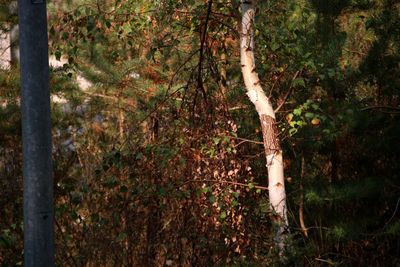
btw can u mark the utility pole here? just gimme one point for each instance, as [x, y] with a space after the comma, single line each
[36, 134]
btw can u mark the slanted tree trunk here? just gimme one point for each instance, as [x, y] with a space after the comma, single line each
[14, 36]
[273, 152]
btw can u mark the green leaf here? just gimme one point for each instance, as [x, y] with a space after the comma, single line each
[211, 199]
[307, 55]
[206, 189]
[111, 182]
[309, 115]
[235, 203]
[315, 106]
[127, 28]
[297, 111]
[275, 46]
[216, 140]
[299, 82]
[52, 31]
[57, 54]
[394, 229]
[121, 236]
[150, 54]
[223, 215]
[123, 189]
[331, 73]
[77, 13]
[108, 23]
[292, 131]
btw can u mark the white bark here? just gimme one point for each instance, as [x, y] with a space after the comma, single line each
[255, 92]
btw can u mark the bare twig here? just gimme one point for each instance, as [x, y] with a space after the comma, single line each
[228, 182]
[201, 57]
[288, 92]
[301, 208]
[355, 52]
[382, 109]
[277, 80]
[68, 254]
[113, 98]
[394, 213]
[325, 261]
[246, 140]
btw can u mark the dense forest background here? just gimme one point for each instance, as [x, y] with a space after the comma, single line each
[158, 155]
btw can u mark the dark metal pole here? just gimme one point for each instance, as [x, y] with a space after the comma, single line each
[36, 134]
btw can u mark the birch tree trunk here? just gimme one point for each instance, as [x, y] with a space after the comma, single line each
[273, 152]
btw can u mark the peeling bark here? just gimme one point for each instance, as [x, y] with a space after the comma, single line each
[270, 134]
[273, 152]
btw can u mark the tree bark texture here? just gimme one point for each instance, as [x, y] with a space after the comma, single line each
[273, 152]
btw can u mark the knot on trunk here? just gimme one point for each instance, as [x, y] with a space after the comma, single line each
[270, 134]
